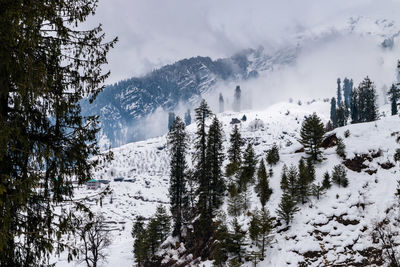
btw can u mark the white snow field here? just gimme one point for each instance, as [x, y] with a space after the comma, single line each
[333, 230]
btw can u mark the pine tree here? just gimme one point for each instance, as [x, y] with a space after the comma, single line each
[248, 168]
[237, 99]
[201, 173]
[339, 93]
[171, 119]
[347, 90]
[394, 95]
[273, 155]
[339, 175]
[284, 178]
[333, 112]
[237, 238]
[261, 225]
[220, 251]
[341, 116]
[262, 188]
[341, 149]
[292, 183]
[354, 109]
[367, 107]
[178, 143]
[48, 65]
[326, 183]
[188, 117]
[311, 133]
[317, 190]
[303, 183]
[236, 201]
[141, 248]
[287, 208]
[234, 152]
[221, 103]
[215, 158]
[310, 170]
[156, 231]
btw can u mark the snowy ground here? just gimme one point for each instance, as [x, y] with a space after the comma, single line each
[335, 228]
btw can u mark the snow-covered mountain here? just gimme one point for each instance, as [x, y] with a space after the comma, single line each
[333, 231]
[124, 106]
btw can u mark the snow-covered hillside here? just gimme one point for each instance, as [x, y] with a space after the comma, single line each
[333, 230]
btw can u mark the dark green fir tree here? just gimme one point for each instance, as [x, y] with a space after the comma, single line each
[312, 133]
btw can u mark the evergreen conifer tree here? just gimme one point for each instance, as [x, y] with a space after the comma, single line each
[262, 188]
[347, 90]
[215, 157]
[339, 94]
[367, 107]
[261, 225]
[311, 133]
[341, 149]
[354, 109]
[339, 175]
[317, 190]
[201, 173]
[238, 243]
[188, 117]
[221, 103]
[287, 208]
[333, 112]
[284, 178]
[222, 236]
[303, 183]
[236, 202]
[234, 152]
[273, 155]
[292, 184]
[237, 99]
[394, 95]
[48, 65]
[177, 143]
[341, 116]
[326, 183]
[248, 167]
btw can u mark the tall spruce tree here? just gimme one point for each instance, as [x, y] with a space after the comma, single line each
[261, 225]
[394, 95]
[341, 116]
[234, 152]
[221, 103]
[248, 168]
[238, 242]
[262, 188]
[333, 112]
[367, 106]
[339, 93]
[48, 64]
[178, 143]
[287, 208]
[339, 175]
[215, 158]
[188, 117]
[311, 133]
[354, 109]
[237, 99]
[201, 173]
[273, 155]
[347, 90]
[303, 183]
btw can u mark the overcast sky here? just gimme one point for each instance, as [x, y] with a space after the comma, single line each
[153, 33]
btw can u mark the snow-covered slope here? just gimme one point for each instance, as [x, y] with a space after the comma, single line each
[333, 230]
